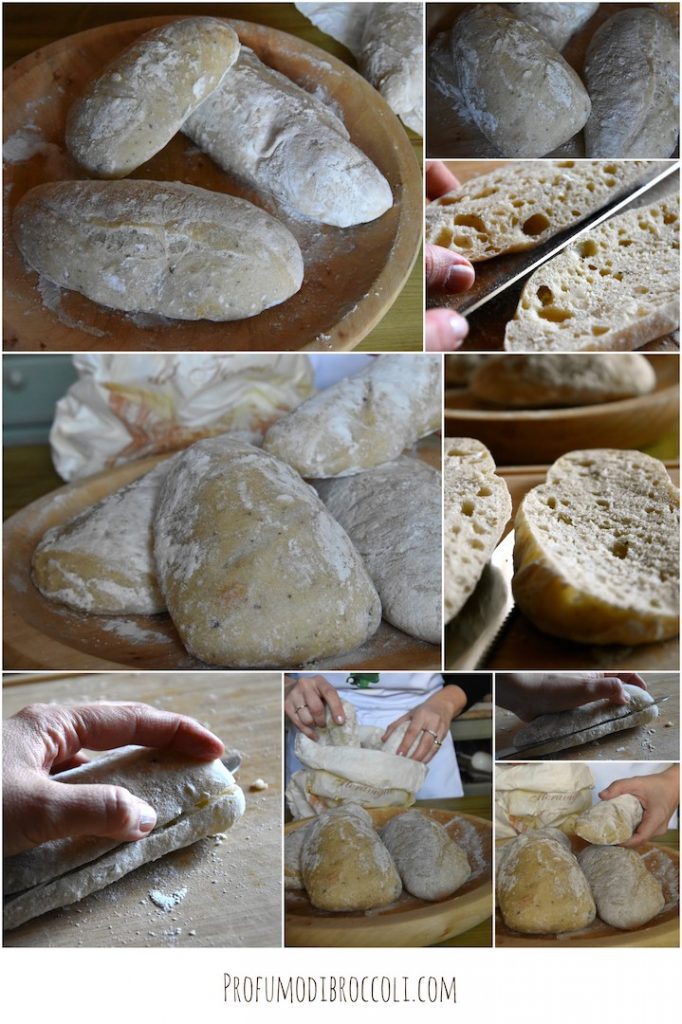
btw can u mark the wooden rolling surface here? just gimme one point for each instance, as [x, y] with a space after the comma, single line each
[234, 886]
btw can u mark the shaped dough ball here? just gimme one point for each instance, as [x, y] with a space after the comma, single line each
[626, 894]
[611, 821]
[429, 863]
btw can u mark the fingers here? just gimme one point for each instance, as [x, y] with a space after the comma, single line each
[447, 271]
[444, 330]
[439, 179]
[316, 709]
[631, 678]
[72, 762]
[332, 698]
[390, 729]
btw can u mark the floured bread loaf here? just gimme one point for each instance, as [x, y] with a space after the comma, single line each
[253, 568]
[392, 514]
[610, 821]
[364, 420]
[154, 247]
[391, 57]
[275, 136]
[564, 729]
[626, 894]
[632, 76]
[540, 887]
[536, 382]
[293, 844]
[192, 799]
[344, 864]
[556, 22]
[140, 101]
[476, 510]
[616, 287]
[596, 551]
[429, 863]
[521, 205]
[520, 92]
[102, 560]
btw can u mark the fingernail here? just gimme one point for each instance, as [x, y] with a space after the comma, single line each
[457, 278]
[459, 327]
[339, 719]
[147, 821]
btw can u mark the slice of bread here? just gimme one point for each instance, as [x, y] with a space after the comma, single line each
[476, 510]
[613, 288]
[522, 204]
[544, 381]
[596, 552]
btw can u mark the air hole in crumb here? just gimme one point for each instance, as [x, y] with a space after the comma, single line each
[535, 225]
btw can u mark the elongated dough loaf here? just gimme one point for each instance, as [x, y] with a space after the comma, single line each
[596, 551]
[392, 514]
[391, 57]
[254, 570]
[363, 421]
[431, 866]
[626, 893]
[153, 247]
[275, 136]
[616, 287]
[141, 100]
[556, 22]
[610, 821]
[632, 76]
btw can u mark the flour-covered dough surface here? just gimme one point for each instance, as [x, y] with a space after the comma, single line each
[429, 863]
[626, 893]
[610, 822]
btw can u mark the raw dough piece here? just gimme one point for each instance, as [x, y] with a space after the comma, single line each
[335, 735]
[364, 420]
[596, 552]
[556, 22]
[392, 514]
[431, 866]
[293, 844]
[344, 864]
[610, 822]
[140, 101]
[263, 128]
[254, 570]
[521, 93]
[391, 58]
[626, 894]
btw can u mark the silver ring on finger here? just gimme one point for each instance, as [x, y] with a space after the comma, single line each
[300, 706]
[438, 743]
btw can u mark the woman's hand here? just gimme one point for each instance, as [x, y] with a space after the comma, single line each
[658, 794]
[306, 701]
[44, 739]
[445, 271]
[430, 719]
[529, 694]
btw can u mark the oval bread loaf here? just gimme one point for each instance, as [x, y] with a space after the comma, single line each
[141, 100]
[391, 57]
[431, 866]
[153, 247]
[626, 893]
[556, 22]
[610, 822]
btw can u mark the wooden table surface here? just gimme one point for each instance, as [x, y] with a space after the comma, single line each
[234, 885]
[27, 27]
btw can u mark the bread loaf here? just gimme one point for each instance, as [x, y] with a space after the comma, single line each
[391, 57]
[610, 821]
[431, 866]
[154, 247]
[520, 92]
[613, 288]
[596, 551]
[140, 101]
[279, 138]
[632, 76]
[626, 894]
[521, 205]
[556, 22]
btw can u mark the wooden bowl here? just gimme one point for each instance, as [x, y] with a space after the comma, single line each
[409, 921]
[352, 276]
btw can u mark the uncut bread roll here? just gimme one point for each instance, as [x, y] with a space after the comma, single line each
[610, 822]
[289, 144]
[520, 92]
[556, 22]
[538, 382]
[392, 514]
[391, 57]
[521, 205]
[154, 247]
[614, 288]
[254, 570]
[140, 101]
[596, 552]
[626, 894]
[431, 866]
[363, 421]
[476, 509]
[632, 76]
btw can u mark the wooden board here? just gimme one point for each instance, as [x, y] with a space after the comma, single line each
[234, 887]
[408, 921]
[352, 276]
[654, 742]
[542, 435]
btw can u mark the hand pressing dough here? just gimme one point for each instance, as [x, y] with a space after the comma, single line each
[610, 822]
[429, 863]
[344, 864]
[192, 799]
[363, 421]
[556, 22]
[626, 894]
[254, 570]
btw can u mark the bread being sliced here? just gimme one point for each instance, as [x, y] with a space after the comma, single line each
[522, 204]
[596, 552]
[613, 288]
[476, 510]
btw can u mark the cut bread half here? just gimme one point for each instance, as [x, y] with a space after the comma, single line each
[476, 510]
[614, 288]
[596, 552]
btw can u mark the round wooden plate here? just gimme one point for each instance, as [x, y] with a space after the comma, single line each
[542, 435]
[408, 921]
[352, 276]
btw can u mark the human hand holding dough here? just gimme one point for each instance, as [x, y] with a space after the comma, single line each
[428, 724]
[659, 795]
[309, 701]
[529, 694]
